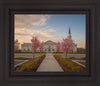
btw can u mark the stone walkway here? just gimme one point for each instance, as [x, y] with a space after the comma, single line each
[49, 64]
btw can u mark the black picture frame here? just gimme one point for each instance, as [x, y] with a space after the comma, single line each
[50, 74]
[9, 78]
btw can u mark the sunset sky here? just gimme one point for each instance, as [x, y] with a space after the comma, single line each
[50, 27]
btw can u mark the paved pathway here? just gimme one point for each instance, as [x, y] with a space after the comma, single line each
[49, 64]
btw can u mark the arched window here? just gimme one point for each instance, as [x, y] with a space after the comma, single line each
[49, 48]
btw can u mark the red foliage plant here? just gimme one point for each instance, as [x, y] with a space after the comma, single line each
[41, 47]
[35, 43]
[16, 45]
[58, 47]
[67, 45]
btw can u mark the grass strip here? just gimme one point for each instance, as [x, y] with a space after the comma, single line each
[21, 58]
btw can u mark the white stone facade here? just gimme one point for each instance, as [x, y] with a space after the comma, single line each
[26, 47]
[74, 47]
[49, 46]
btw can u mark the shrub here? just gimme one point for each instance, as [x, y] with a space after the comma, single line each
[31, 65]
[72, 57]
[77, 69]
[70, 64]
[84, 58]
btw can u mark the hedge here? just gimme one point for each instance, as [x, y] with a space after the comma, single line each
[72, 57]
[84, 58]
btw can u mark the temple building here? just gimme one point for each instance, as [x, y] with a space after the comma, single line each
[49, 46]
[70, 38]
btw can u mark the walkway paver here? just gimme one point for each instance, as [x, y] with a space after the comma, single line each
[49, 64]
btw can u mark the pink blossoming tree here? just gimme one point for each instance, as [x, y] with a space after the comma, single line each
[35, 44]
[58, 47]
[41, 47]
[16, 45]
[67, 46]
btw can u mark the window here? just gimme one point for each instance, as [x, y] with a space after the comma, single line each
[52, 49]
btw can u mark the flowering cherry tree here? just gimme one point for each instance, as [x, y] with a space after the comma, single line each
[58, 47]
[41, 47]
[16, 45]
[35, 43]
[67, 46]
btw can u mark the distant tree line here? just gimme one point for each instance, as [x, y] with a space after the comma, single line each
[81, 50]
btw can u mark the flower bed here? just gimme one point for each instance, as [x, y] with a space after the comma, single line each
[31, 65]
[68, 65]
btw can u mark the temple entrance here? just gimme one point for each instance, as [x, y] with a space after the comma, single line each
[49, 49]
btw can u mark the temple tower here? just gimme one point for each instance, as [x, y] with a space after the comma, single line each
[69, 33]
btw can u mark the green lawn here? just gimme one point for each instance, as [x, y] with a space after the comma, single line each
[84, 58]
[30, 53]
[45, 52]
[22, 58]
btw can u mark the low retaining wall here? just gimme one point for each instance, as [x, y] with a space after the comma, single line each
[20, 63]
[26, 55]
[68, 55]
[74, 55]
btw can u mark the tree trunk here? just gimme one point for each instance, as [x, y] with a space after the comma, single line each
[33, 55]
[66, 54]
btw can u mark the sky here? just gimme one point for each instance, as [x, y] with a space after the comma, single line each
[50, 27]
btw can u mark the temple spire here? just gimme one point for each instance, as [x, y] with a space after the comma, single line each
[69, 29]
[69, 33]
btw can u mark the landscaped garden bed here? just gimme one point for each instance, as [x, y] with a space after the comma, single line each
[69, 66]
[31, 65]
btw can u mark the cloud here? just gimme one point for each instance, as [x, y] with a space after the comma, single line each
[22, 21]
[43, 35]
[28, 25]
[23, 34]
[47, 33]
